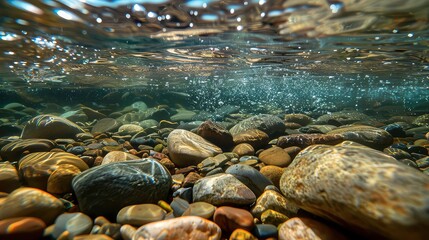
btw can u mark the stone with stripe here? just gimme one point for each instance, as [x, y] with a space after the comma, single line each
[50, 127]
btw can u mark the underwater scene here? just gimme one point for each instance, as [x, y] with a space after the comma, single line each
[214, 119]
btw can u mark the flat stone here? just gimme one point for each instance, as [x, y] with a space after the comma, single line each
[363, 189]
[244, 149]
[216, 134]
[118, 156]
[149, 123]
[93, 237]
[190, 179]
[270, 124]
[343, 118]
[50, 127]
[250, 177]
[369, 136]
[13, 150]
[183, 115]
[179, 206]
[36, 168]
[93, 114]
[305, 140]
[22, 228]
[140, 214]
[187, 227]
[211, 163]
[299, 228]
[74, 223]
[274, 200]
[231, 218]
[299, 118]
[222, 189]
[140, 106]
[106, 125]
[273, 173]
[422, 120]
[186, 148]
[106, 189]
[255, 137]
[129, 129]
[31, 202]
[200, 209]
[9, 180]
[275, 156]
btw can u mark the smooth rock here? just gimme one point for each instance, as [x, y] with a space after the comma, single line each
[106, 125]
[422, 120]
[274, 200]
[249, 176]
[255, 137]
[186, 148]
[273, 173]
[369, 136]
[243, 149]
[112, 230]
[305, 140]
[36, 168]
[9, 180]
[270, 124]
[231, 218]
[106, 189]
[299, 228]
[179, 206]
[200, 209]
[21, 228]
[13, 150]
[50, 127]
[183, 115]
[148, 123]
[187, 227]
[211, 163]
[118, 156]
[216, 134]
[93, 237]
[265, 231]
[127, 232]
[275, 156]
[59, 181]
[141, 214]
[74, 223]
[190, 179]
[222, 189]
[31, 202]
[129, 129]
[363, 189]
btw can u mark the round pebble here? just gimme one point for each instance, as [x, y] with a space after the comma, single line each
[200, 209]
[22, 228]
[230, 219]
[74, 223]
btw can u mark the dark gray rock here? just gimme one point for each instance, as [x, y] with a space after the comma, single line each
[106, 189]
[251, 177]
[270, 124]
[366, 135]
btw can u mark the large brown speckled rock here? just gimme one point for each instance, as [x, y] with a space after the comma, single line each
[362, 188]
[188, 227]
[186, 148]
[307, 228]
[50, 127]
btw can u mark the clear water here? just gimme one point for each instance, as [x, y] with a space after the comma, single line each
[264, 56]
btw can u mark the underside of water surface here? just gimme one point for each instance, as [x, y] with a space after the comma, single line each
[313, 56]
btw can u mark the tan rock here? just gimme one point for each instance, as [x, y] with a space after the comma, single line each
[244, 149]
[140, 214]
[118, 156]
[306, 229]
[186, 148]
[9, 180]
[362, 188]
[188, 227]
[60, 180]
[255, 137]
[31, 202]
[273, 173]
[22, 228]
[275, 156]
[35, 168]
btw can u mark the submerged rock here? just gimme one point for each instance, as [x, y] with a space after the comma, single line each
[362, 188]
[186, 148]
[187, 227]
[50, 127]
[106, 189]
[270, 124]
[369, 136]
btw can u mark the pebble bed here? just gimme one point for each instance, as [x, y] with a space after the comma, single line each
[167, 172]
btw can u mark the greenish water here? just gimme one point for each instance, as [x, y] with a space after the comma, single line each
[263, 56]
